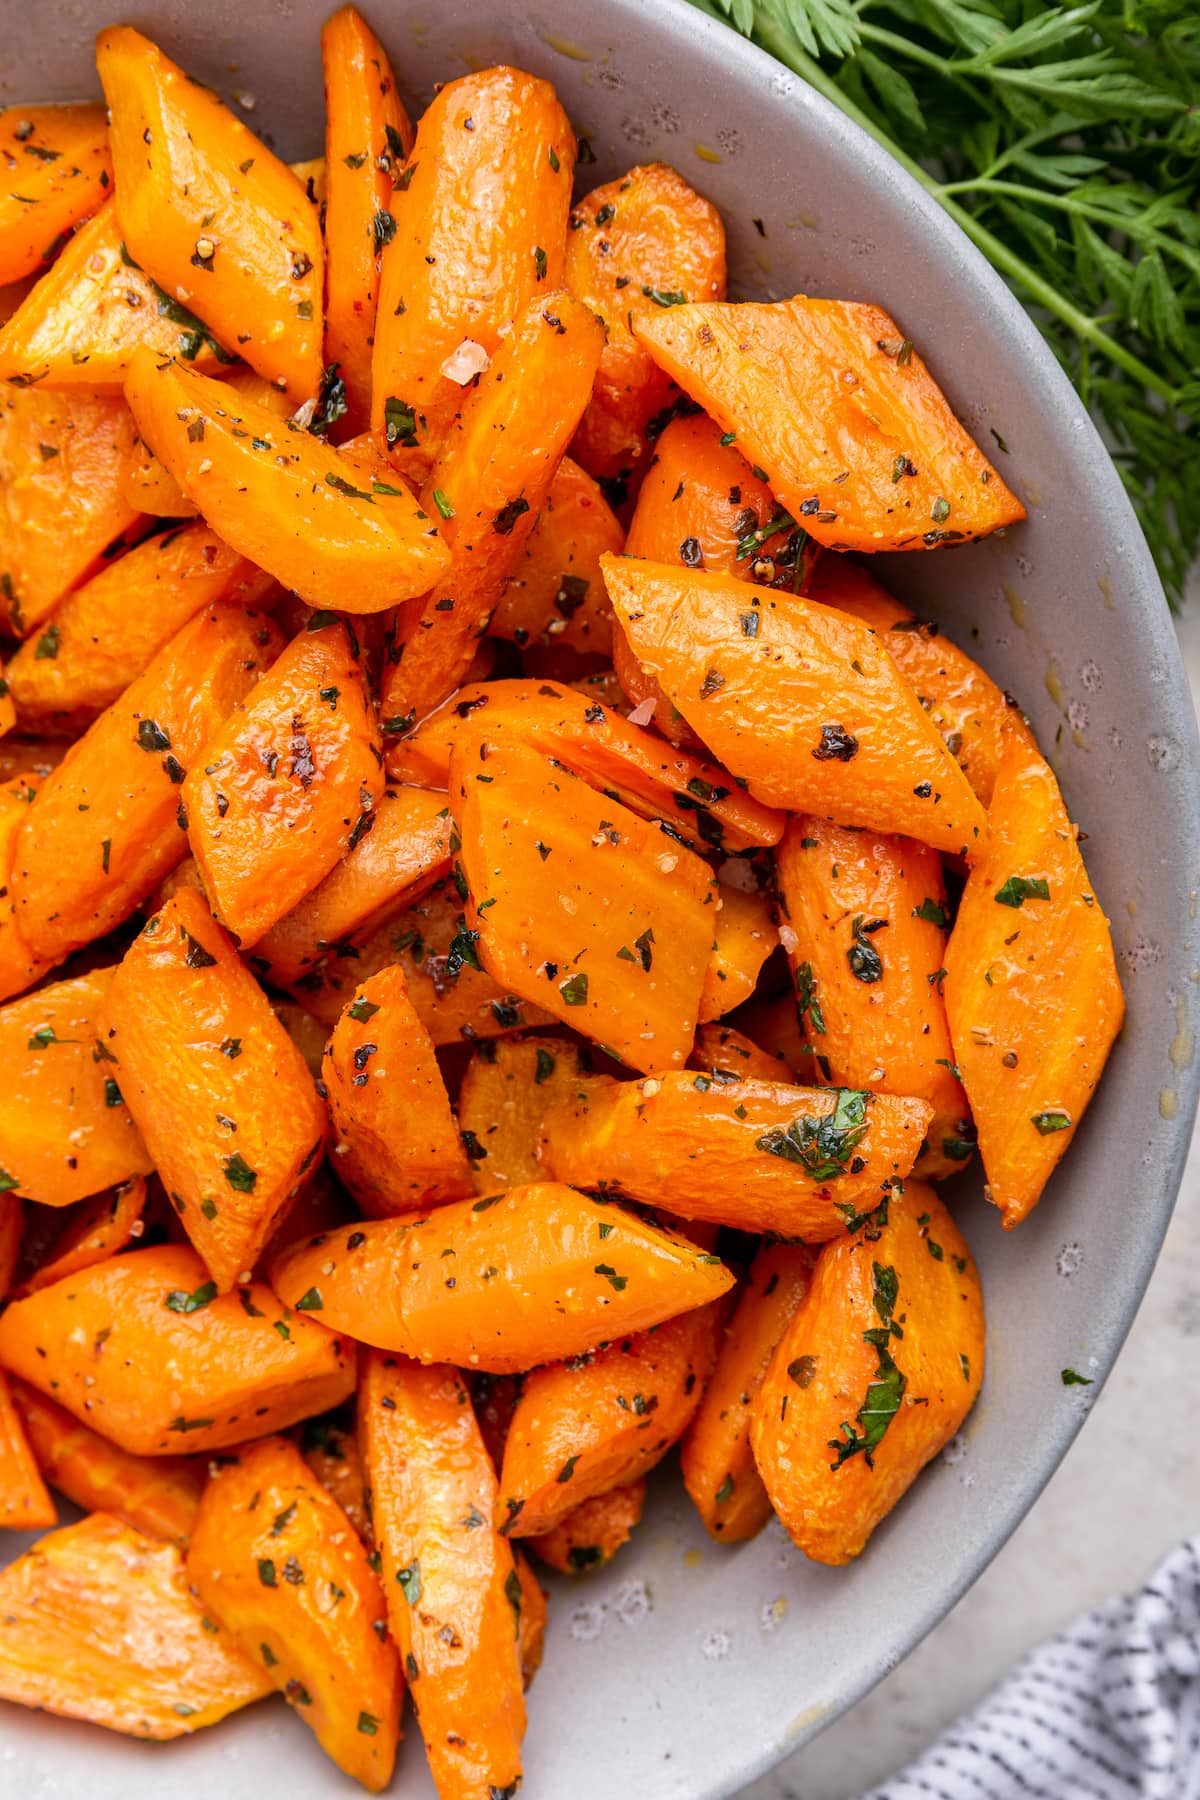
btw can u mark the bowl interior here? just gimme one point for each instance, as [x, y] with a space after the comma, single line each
[686, 1669]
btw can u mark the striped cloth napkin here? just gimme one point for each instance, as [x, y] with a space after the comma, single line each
[1108, 1710]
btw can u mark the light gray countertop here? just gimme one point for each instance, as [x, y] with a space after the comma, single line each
[1127, 1492]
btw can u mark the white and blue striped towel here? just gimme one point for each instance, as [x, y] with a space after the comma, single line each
[1108, 1710]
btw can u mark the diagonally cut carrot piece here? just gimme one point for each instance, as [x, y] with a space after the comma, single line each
[1032, 991]
[744, 935]
[555, 595]
[101, 1228]
[157, 1495]
[96, 1623]
[20, 966]
[514, 1256]
[57, 171]
[508, 1086]
[25, 1504]
[205, 207]
[348, 541]
[800, 701]
[593, 1532]
[831, 400]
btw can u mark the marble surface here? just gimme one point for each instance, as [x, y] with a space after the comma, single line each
[1128, 1491]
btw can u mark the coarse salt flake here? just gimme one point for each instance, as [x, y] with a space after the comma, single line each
[466, 362]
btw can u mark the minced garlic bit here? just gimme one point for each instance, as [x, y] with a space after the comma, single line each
[464, 364]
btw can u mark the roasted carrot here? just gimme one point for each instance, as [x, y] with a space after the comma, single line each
[112, 811]
[622, 957]
[367, 138]
[25, 1504]
[508, 1085]
[556, 593]
[864, 921]
[404, 852]
[12, 1227]
[107, 632]
[637, 244]
[454, 1595]
[802, 703]
[96, 1623]
[718, 1465]
[480, 227]
[147, 486]
[274, 1559]
[289, 782]
[330, 1447]
[61, 499]
[592, 1532]
[720, 1049]
[396, 1144]
[805, 1162]
[220, 1093]
[205, 207]
[81, 323]
[453, 1008]
[20, 967]
[157, 1495]
[592, 738]
[964, 703]
[290, 503]
[601, 1421]
[489, 481]
[537, 1272]
[877, 1370]
[57, 171]
[1032, 991]
[143, 1348]
[744, 935]
[65, 1130]
[857, 440]
[531, 1620]
[775, 1027]
[98, 1230]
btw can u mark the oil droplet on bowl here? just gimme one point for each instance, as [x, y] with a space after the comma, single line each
[773, 1613]
[1016, 606]
[1069, 1260]
[565, 47]
[707, 155]
[1054, 686]
[1183, 1045]
[1168, 1104]
[692, 1559]
[717, 1646]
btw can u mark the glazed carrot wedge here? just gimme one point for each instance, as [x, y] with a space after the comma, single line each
[65, 1131]
[19, 966]
[531, 1618]
[556, 593]
[453, 1008]
[801, 702]
[480, 231]
[396, 1144]
[591, 1534]
[219, 1091]
[8, 712]
[453, 1592]
[505, 1092]
[744, 935]
[702, 505]
[112, 812]
[622, 956]
[330, 1448]
[99, 1230]
[25, 1504]
[728, 1053]
[86, 316]
[146, 485]
[367, 137]
[865, 920]
[61, 499]
[57, 171]
[143, 1349]
[205, 207]
[157, 1495]
[404, 852]
[878, 1369]
[580, 1430]
[602, 746]
[106, 633]
[1032, 991]
[281, 497]
[273, 1558]
[716, 1459]
[489, 481]
[964, 703]
[12, 1226]
[804, 1162]
[96, 1623]
[289, 782]
[637, 245]
[535, 1272]
[874, 462]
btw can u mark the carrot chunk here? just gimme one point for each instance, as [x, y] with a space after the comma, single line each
[555, 595]
[57, 171]
[25, 1505]
[592, 1532]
